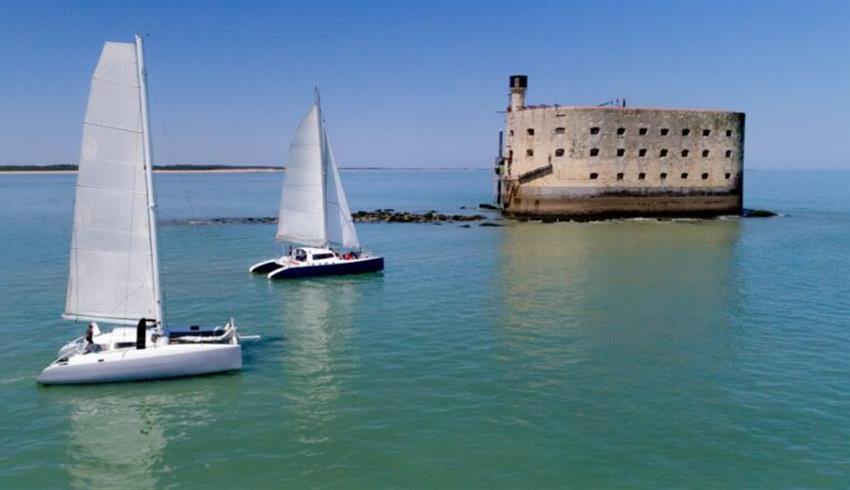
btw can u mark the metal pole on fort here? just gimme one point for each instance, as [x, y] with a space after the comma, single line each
[499, 169]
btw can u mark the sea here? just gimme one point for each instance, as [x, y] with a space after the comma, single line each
[615, 354]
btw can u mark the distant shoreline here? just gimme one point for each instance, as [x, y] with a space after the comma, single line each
[199, 169]
[189, 169]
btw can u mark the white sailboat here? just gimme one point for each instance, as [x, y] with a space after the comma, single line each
[114, 268]
[314, 212]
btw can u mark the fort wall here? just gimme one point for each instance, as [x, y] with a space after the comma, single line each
[592, 162]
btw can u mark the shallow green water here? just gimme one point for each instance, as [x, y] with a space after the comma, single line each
[619, 354]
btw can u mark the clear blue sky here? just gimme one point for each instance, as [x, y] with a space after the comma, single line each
[421, 84]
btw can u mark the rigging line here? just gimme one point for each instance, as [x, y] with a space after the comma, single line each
[152, 100]
[153, 86]
[173, 154]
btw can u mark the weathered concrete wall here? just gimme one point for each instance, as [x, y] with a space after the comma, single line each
[613, 161]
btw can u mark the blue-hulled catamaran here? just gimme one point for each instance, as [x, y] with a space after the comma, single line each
[314, 216]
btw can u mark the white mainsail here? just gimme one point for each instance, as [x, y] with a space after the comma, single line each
[340, 226]
[302, 203]
[313, 207]
[114, 273]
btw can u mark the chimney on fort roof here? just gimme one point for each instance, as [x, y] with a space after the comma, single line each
[519, 83]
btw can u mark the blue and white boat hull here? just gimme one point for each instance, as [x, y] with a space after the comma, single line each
[357, 266]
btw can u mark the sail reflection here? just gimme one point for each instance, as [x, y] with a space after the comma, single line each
[318, 319]
[119, 441]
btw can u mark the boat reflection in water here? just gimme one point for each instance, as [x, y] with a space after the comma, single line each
[119, 441]
[317, 320]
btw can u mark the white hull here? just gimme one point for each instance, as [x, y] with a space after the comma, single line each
[161, 362]
[114, 356]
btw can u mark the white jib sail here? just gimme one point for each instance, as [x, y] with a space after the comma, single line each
[112, 265]
[302, 204]
[340, 226]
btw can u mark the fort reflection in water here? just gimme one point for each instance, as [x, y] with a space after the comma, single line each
[633, 281]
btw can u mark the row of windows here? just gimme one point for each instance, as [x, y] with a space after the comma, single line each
[621, 152]
[622, 131]
[662, 176]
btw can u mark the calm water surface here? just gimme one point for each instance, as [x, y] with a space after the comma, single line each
[618, 354]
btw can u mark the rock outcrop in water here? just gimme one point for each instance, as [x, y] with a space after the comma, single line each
[757, 213]
[376, 216]
[390, 216]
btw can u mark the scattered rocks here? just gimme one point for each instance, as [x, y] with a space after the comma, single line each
[376, 216]
[757, 213]
[485, 205]
[265, 220]
[490, 223]
[389, 216]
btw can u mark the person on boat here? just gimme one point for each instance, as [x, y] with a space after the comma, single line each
[300, 255]
[89, 345]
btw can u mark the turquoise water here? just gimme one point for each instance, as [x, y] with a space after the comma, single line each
[618, 354]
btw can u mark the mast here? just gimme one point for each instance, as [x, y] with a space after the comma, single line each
[323, 151]
[143, 91]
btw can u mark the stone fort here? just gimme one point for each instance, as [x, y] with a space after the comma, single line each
[613, 161]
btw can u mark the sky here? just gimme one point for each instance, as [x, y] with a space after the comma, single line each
[422, 84]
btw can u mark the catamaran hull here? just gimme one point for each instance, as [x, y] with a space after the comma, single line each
[360, 266]
[265, 267]
[162, 362]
